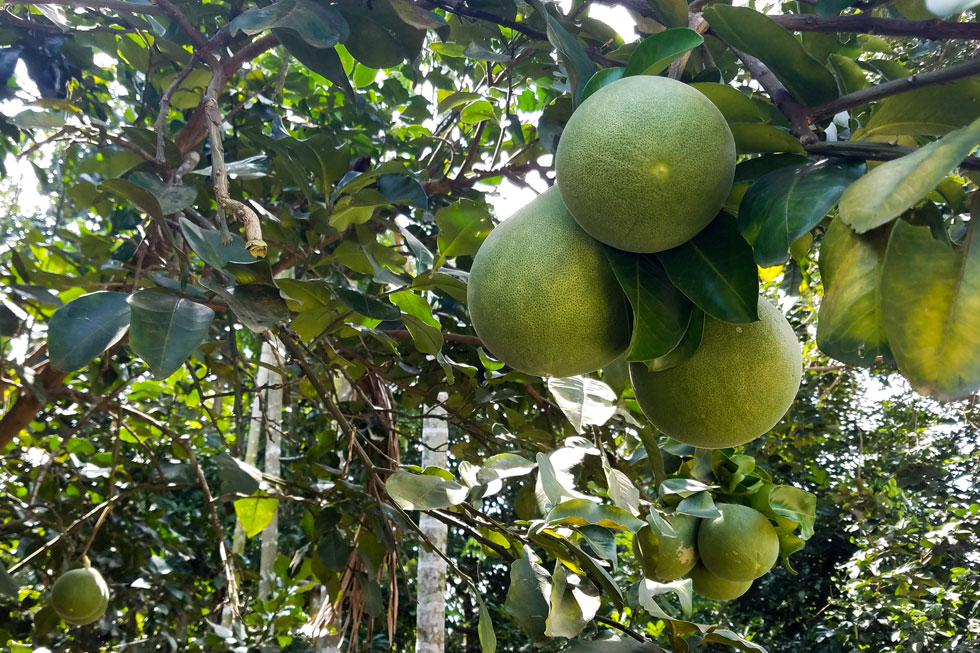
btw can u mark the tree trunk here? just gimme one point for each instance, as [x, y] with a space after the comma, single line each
[431, 613]
[273, 448]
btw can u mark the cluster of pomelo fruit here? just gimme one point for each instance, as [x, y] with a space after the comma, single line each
[721, 555]
[80, 596]
[643, 165]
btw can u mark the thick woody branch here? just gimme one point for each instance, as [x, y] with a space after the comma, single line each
[894, 87]
[867, 24]
[875, 152]
[784, 101]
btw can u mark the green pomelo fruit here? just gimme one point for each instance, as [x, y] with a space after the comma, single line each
[645, 163]
[737, 385]
[80, 596]
[668, 557]
[542, 296]
[739, 545]
[717, 589]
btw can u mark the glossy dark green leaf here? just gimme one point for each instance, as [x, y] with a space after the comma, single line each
[828, 8]
[752, 169]
[416, 16]
[379, 38]
[135, 195]
[716, 271]
[892, 188]
[206, 243]
[237, 476]
[333, 550]
[657, 51]
[9, 322]
[699, 504]
[258, 306]
[757, 138]
[165, 329]
[686, 348]
[574, 601]
[578, 66]
[849, 324]
[787, 203]
[930, 305]
[661, 313]
[172, 199]
[760, 36]
[527, 596]
[85, 327]
[323, 61]
[604, 77]
[255, 271]
[366, 305]
[319, 25]
[931, 111]
[670, 13]
[580, 512]
[417, 315]
[735, 105]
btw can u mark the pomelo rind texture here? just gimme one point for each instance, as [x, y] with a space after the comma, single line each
[645, 163]
[542, 296]
[80, 596]
[738, 546]
[717, 589]
[737, 385]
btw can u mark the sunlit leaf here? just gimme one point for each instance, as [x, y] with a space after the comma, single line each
[85, 327]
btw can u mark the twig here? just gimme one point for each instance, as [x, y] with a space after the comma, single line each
[606, 621]
[874, 151]
[165, 103]
[699, 25]
[894, 87]
[111, 492]
[784, 101]
[452, 337]
[868, 24]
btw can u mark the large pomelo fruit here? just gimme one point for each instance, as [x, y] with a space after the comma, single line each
[80, 596]
[717, 589]
[542, 296]
[664, 556]
[737, 385]
[740, 545]
[645, 163]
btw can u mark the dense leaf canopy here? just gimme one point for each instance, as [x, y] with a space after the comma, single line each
[211, 207]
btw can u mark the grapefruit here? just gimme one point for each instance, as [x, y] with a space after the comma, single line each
[542, 296]
[667, 557]
[740, 545]
[80, 596]
[645, 163]
[717, 589]
[737, 385]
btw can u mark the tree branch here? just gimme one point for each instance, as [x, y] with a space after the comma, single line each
[114, 5]
[894, 87]
[784, 101]
[874, 151]
[868, 24]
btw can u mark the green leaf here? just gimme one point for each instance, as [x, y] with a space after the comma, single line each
[258, 306]
[661, 313]
[849, 324]
[648, 591]
[890, 189]
[255, 513]
[172, 199]
[135, 195]
[930, 305]
[463, 227]
[683, 487]
[453, 99]
[332, 550]
[788, 502]
[504, 465]
[657, 51]
[735, 105]
[379, 38]
[756, 138]
[932, 111]
[604, 77]
[787, 203]
[10, 324]
[425, 329]
[366, 305]
[574, 601]
[716, 272]
[488, 639]
[85, 327]
[621, 491]
[850, 74]
[8, 586]
[670, 13]
[415, 16]
[319, 25]
[165, 329]
[612, 644]
[206, 243]
[323, 61]
[579, 512]
[237, 476]
[828, 8]
[583, 400]
[252, 272]
[578, 66]
[422, 492]
[527, 596]
[685, 349]
[760, 36]
[477, 112]
[699, 504]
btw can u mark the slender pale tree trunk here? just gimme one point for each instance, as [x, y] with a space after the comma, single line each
[273, 449]
[431, 613]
